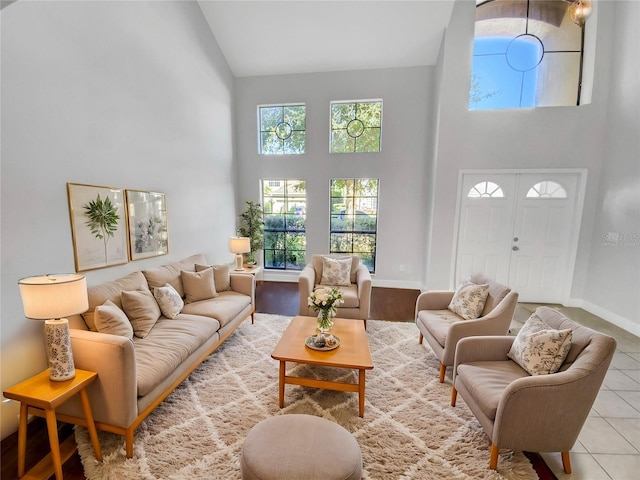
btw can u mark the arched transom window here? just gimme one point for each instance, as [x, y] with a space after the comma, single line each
[547, 189]
[485, 190]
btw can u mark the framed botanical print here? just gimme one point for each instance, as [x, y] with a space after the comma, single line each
[148, 233]
[98, 226]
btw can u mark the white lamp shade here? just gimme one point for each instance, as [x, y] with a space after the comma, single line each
[54, 296]
[239, 245]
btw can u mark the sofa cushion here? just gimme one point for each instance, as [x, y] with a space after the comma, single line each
[438, 322]
[170, 273]
[336, 271]
[487, 380]
[142, 310]
[316, 262]
[540, 349]
[168, 344]
[223, 308]
[109, 318]
[98, 294]
[198, 285]
[350, 297]
[221, 276]
[169, 301]
[468, 300]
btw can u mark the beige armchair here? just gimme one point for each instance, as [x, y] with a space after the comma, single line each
[539, 413]
[357, 296]
[442, 329]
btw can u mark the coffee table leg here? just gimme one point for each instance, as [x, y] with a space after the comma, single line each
[281, 384]
[361, 382]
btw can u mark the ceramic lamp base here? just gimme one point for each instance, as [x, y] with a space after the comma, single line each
[239, 260]
[59, 353]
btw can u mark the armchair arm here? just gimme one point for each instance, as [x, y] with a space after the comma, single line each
[306, 282]
[502, 314]
[363, 280]
[433, 300]
[244, 283]
[114, 395]
[562, 402]
[482, 349]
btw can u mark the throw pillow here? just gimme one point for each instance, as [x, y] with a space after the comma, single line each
[221, 276]
[169, 300]
[540, 349]
[142, 310]
[469, 299]
[110, 319]
[336, 271]
[198, 285]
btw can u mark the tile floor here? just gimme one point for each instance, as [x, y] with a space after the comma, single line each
[608, 447]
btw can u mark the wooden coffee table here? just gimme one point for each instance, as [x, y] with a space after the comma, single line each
[353, 353]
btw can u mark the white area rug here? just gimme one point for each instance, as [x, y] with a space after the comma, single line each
[409, 430]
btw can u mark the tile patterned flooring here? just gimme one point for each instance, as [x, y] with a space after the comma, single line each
[608, 447]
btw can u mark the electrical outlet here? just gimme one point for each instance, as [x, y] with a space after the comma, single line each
[401, 267]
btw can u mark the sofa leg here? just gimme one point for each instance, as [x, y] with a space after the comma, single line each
[443, 370]
[493, 462]
[566, 462]
[128, 441]
[454, 396]
[420, 340]
[251, 318]
[365, 323]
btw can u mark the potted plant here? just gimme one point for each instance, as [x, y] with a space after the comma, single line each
[252, 226]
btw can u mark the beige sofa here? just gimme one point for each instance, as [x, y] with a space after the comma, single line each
[135, 375]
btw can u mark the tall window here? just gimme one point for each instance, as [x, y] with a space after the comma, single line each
[354, 218]
[282, 129]
[285, 212]
[526, 53]
[356, 126]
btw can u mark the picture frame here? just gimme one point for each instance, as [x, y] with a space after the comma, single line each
[98, 226]
[148, 229]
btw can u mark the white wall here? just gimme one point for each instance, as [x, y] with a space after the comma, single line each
[563, 137]
[614, 261]
[402, 165]
[127, 94]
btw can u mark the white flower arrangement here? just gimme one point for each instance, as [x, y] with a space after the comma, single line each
[326, 300]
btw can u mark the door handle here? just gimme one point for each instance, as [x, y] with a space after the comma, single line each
[515, 248]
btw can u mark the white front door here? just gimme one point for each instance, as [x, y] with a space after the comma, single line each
[518, 230]
[487, 208]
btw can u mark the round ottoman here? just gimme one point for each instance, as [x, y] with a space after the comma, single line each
[295, 447]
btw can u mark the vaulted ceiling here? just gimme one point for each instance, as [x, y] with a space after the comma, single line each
[284, 37]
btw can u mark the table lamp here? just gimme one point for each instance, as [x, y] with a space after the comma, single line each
[239, 245]
[51, 298]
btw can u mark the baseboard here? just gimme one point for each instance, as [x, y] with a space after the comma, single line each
[292, 277]
[396, 284]
[283, 276]
[609, 316]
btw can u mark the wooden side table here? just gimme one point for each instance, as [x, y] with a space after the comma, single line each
[40, 396]
[255, 270]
